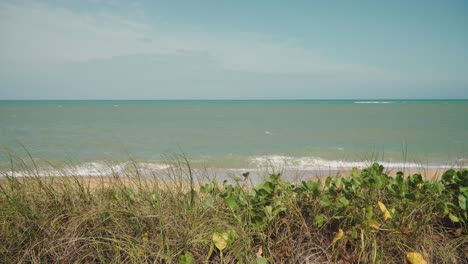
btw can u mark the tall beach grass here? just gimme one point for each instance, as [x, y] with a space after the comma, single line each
[180, 217]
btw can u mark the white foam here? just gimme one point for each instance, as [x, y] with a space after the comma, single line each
[256, 163]
[96, 168]
[153, 166]
[373, 102]
[314, 163]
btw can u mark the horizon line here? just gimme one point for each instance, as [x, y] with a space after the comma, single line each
[198, 99]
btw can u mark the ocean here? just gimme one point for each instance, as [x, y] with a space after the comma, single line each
[300, 134]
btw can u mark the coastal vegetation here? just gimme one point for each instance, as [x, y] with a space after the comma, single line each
[365, 217]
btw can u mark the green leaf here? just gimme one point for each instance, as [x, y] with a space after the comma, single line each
[258, 218]
[399, 177]
[232, 235]
[236, 179]
[462, 202]
[338, 217]
[369, 212]
[269, 210]
[205, 188]
[209, 203]
[312, 186]
[355, 172]
[262, 260]
[231, 202]
[187, 258]
[410, 196]
[320, 220]
[343, 200]
[325, 201]
[354, 233]
[464, 190]
[454, 218]
[446, 208]
[450, 206]
[265, 188]
[210, 252]
[392, 189]
[328, 181]
[415, 180]
[447, 177]
[278, 207]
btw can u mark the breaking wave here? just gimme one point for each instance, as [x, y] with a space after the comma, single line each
[315, 163]
[252, 164]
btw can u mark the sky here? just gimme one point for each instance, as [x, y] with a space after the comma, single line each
[214, 49]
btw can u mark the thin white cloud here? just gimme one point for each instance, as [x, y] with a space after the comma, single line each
[40, 33]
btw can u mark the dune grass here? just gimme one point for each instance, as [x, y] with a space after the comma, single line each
[366, 217]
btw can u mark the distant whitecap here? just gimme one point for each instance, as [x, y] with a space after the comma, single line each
[373, 102]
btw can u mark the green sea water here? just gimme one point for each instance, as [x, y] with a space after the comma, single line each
[236, 134]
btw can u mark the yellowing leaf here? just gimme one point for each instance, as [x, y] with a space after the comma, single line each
[259, 252]
[338, 236]
[383, 209]
[145, 237]
[415, 258]
[220, 240]
[373, 224]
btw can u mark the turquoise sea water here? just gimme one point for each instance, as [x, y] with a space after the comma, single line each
[239, 134]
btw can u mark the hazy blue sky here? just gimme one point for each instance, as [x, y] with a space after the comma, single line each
[122, 49]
